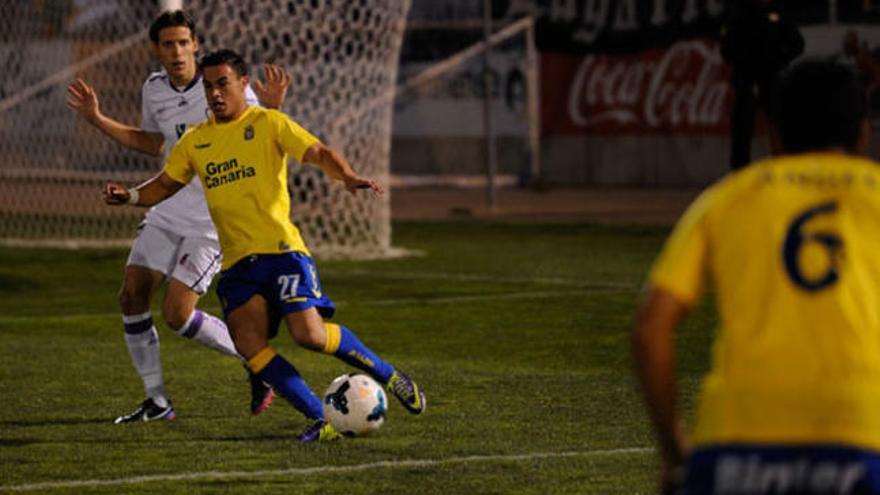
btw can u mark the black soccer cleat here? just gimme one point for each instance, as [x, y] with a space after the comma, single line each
[261, 394]
[148, 411]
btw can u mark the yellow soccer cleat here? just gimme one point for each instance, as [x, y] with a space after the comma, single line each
[407, 392]
[319, 431]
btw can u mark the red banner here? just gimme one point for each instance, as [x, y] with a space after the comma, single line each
[681, 88]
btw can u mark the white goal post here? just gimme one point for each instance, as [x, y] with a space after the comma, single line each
[525, 28]
[444, 103]
[342, 56]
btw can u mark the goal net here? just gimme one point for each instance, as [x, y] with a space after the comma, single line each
[342, 56]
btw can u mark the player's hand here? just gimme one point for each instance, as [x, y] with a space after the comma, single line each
[352, 184]
[115, 194]
[672, 474]
[272, 94]
[82, 98]
[670, 481]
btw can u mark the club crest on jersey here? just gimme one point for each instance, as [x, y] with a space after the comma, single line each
[180, 129]
[248, 133]
[316, 289]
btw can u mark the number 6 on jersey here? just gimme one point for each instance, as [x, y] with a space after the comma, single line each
[797, 240]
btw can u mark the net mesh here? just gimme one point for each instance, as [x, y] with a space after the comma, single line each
[342, 56]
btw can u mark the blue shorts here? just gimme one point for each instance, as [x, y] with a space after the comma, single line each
[756, 470]
[287, 281]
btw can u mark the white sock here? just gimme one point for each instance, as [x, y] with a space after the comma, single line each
[142, 341]
[209, 331]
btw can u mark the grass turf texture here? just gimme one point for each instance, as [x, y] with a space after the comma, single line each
[517, 332]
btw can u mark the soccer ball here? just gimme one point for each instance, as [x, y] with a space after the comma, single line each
[355, 405]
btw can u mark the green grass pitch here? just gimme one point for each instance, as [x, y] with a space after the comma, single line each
[518, 333]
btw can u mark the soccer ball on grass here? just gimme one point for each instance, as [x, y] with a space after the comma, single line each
[355, 405]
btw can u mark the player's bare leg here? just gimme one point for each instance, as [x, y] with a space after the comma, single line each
[309, 330]
[249, 326]
[180, 313]
[138, 286]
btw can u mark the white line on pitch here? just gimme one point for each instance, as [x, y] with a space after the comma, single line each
[478, 297]
[407, 463]
[375, 302]
[479, 277]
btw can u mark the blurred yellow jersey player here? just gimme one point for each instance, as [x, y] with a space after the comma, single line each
[238, 162]
[789, 246]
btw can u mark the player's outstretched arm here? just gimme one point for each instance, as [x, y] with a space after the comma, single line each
[272, 94]
[653, 347]
[149, 193]
[82, 98]
[338, 168]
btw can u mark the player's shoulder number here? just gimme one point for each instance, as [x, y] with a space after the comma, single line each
[797, 237]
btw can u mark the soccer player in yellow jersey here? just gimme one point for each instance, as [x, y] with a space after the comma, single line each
[790, 247]
[240, 156]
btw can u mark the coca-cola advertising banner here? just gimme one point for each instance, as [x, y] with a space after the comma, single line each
[679, 88]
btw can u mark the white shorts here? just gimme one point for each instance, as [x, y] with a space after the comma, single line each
[192, 261]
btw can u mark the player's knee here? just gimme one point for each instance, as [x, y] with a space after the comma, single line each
[133, 299]
[248, 344]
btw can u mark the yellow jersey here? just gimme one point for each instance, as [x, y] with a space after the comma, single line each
[243, 169]
[791, 248]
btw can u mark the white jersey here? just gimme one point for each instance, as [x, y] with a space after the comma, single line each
[171, 111]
